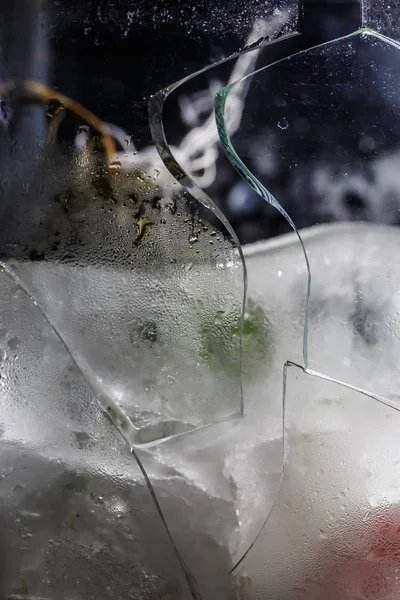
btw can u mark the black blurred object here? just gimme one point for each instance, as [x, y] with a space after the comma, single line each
[111, 56]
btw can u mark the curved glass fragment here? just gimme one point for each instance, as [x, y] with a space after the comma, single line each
[319, 134]
[225, 462]
[333, 532]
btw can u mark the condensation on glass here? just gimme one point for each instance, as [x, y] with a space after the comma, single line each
[120, 348]
[333, 531]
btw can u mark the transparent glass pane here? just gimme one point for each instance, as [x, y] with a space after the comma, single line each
[333, 532]
[302, 124]
[383, 16]
[77, 517]
[144, 291]
[184, 38]
[146, 294]
[185, 133]
[143, 287]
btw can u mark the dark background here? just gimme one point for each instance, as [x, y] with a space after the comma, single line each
[111, 55]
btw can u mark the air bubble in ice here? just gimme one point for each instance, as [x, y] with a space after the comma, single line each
[283, 123]
[371, 139]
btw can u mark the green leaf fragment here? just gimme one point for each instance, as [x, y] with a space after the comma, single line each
[220, 339]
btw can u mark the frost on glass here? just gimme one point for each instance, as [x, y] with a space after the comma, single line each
[382, 16]
[77, 518]
[231, 470]
[139, 285]
[334, 530]
[326, 121]
[144, 291]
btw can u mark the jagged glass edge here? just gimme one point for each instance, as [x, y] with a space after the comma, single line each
[191, 582]
[258, 187]
[155, 113]
[247, 175]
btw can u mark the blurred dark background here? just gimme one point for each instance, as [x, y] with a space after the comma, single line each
[112, 55]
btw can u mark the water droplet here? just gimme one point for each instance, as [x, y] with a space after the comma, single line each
[283, 124]
[13, 343]
[219, 317]
[81, 438]
[371, 139]
[322, 534]
[188, 267]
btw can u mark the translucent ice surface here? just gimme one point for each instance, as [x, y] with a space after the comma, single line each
[333, 532]
[77, 517]
[144, 292]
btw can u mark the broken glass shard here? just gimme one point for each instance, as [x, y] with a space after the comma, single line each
[144, 291]
[127, 270]
[308, 149]
[217, 460]
[333, 532]
[73, 499]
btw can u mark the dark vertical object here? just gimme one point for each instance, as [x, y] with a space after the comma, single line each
[24, 54]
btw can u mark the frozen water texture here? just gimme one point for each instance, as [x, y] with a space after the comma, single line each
[216, 485]
[77, 517]
[333, 532]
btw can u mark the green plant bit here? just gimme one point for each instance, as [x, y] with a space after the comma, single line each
[220, 339]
